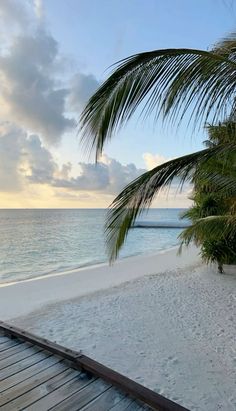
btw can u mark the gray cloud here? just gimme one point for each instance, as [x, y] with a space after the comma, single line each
[14, 12]
[108, 177]
[82, 87]
[39, 161]
[10, 158]
[24, 159]
[65, 171]
[28, 89]
[95, 178]
[121, 175]
[37, 87]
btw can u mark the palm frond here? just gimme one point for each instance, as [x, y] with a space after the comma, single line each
[216, 235]
[218, 175]
[210, 228]
[225, 184]
[226, 46]
[139, 194]
[167, 82]
[210, 204]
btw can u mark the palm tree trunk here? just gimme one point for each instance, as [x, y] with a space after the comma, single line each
[220, 268]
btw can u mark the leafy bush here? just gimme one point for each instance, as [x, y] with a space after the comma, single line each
[213, 212]
[219, 251]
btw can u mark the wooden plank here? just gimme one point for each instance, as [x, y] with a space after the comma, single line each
[3, 339]
[130, 387]
[16, 368]
[82, 362]
[82, 397]
[13, 350]
[123, 404]
[31, 383]
[103, 402]
[9, 344]
[57, 395]
[32, 370]
[30, 399]
[57, 349]
[18, 357]
[33, 399]
[135, 406]
[109, 401]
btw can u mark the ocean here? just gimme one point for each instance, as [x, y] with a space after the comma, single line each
[38, 242]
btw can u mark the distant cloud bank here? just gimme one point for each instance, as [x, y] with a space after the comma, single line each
[24, 159]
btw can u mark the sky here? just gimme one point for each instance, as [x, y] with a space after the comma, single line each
[54, 54]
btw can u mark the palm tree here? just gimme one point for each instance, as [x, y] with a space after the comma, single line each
[214, 203]
[171, 83]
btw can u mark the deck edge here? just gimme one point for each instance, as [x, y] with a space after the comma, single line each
[80, 361]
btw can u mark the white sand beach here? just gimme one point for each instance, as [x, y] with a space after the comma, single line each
[165, 321]
[77, 283]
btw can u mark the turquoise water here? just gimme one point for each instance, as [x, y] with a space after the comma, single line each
[39, 242]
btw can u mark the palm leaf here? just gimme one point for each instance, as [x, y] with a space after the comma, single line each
[225, 184]
[139, 194]
[210, 228]
[167, 82]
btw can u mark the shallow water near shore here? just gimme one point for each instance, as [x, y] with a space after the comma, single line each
[36, 242]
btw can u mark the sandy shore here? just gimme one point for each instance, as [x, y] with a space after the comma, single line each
[172, 330]
[21, 298]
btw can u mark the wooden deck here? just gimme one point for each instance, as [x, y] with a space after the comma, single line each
[38, 375]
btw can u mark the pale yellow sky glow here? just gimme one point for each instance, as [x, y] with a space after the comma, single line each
[41, 196]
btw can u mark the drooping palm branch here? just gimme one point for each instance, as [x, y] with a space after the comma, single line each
[167, 82]
[212, 227]
[171, 83]
[139, 194]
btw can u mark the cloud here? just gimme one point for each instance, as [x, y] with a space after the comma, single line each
[92, 177]
[24, 159]
[40, 164]
[64, 172]
[14, 12]
[37, 92]
[154, 160]
[38, 8]
[29, 93]
[10, 158]
[108, 176]
[28, 168]
[119, 174]
[37, 87]
[82, 87]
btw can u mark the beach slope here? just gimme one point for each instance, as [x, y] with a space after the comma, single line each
[17, 299]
